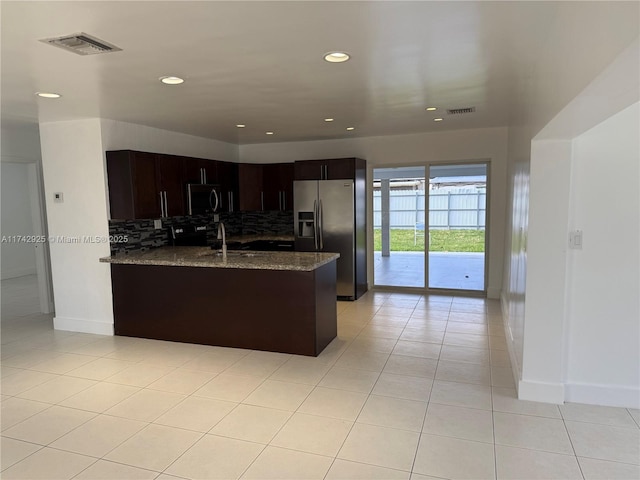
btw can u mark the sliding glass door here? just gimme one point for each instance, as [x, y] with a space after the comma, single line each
[399, 226]
[457, 213]
[452, 234]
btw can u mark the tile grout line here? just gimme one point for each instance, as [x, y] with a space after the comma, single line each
[361, 408]
[566, 429]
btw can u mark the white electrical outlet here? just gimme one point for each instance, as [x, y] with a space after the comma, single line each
[58, 197]
[157, 224]
[216, 217]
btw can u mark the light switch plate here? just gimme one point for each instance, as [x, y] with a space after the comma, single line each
[216, 217]
[157, 224]
[575, 240]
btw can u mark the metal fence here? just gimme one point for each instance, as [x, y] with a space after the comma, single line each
[461, 208]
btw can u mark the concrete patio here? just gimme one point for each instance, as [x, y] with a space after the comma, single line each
[455, 271]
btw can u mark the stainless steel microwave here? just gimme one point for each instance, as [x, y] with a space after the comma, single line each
[203, 198]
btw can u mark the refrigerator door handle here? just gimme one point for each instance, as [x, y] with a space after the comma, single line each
[320, 225]
[315, 224]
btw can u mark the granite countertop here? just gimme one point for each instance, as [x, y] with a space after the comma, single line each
[205, 257]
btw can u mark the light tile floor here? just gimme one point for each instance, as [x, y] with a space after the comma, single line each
[414, 387]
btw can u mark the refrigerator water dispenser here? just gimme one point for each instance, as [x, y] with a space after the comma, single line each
[306, 226]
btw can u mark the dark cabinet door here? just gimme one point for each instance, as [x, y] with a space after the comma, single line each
[170, 170]
[286, 185]
[277, 186]
[309, 169]
[133, 185]
[145, 186]
[198, 170]
[332, 169]
[271, 186]
[251, 194]
[227, 178]
[340, 168]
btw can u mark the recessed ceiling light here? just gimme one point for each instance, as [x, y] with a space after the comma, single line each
[48, 95]
[431, 109]
[336, 57]
[328, 119]
[241, 125]
[171, 80]
[437, 119]
[269, 133]
[351, 128]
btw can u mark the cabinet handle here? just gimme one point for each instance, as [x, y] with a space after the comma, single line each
[262, 200]
[166, 205]
[161, 206]
[284, 200]
[280, 200]
[204, 175]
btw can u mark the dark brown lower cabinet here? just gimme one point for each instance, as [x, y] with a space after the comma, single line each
[272, 310]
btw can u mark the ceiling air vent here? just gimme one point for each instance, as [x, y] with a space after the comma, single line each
[82, 44]
[460, 111]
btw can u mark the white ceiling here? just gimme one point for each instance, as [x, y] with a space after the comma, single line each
[260, 63]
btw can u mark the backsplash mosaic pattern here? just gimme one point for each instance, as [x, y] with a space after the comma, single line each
[141, 234]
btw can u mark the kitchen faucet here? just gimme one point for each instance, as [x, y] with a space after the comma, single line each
[222, 236]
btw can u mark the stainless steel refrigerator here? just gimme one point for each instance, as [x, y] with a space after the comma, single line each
[329, 217]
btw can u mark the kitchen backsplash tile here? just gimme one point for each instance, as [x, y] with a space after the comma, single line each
[272, 223]
[141, 234]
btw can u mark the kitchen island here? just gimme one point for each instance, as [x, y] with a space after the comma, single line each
[274, 301]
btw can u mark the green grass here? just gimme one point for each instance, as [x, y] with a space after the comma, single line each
[441, 241]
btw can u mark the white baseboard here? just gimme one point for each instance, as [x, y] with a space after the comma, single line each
[494, 292]
[609, 395]
[545, 392]
[81, 325]
[18, 272]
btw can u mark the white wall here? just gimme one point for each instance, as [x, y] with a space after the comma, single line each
[20, 142]
[72, 163]
[414, 149]
[544, 313]
[129, 136]
[603, 364]
[18, 259]
[555, 102]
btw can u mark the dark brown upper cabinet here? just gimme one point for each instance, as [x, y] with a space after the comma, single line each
[199, 170]
[153, 185]
[266, 186]
[277, 186]
[145, 185]
[227, 177]
[170, 170]
[251, 194]
[331, 169]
